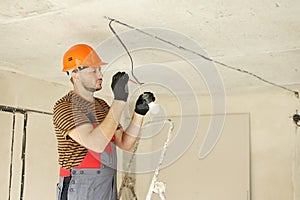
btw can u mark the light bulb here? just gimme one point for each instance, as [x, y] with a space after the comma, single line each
[154, 108]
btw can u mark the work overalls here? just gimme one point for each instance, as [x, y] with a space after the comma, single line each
[92, 183]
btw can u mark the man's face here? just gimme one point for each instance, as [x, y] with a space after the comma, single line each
[91, 78]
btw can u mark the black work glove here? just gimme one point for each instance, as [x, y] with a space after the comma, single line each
[119, 86]
[141, 106]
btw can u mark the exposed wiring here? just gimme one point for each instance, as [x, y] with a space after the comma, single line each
[296, 93]
[294, 165]
[11, 154]
[23, 156]
[131, 60]
[23, 153]
[128, 181]
[157, 187]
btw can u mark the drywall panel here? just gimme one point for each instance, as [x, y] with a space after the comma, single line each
[223, 174]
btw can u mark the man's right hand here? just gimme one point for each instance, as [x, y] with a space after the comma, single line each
[119, 86]
[142, 104]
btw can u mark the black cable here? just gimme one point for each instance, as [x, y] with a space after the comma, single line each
[11, 155]
[296, 93]
[23, 156]
[131, 60]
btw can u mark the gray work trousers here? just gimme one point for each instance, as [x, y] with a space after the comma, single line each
[90, 184]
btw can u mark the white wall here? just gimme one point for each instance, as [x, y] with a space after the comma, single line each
[223, 174]
[272, 137]
[272, 141]
[41, 169]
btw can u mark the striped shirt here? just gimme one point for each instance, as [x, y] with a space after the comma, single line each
[69, 112]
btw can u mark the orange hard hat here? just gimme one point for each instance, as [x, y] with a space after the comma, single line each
[81, 55]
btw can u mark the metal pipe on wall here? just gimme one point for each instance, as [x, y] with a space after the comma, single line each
[23, 111]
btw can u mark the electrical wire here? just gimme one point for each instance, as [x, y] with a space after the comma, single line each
[23, 156]
[128, 181]
[296, 93]
[127, 51]
[11, 154]
[23, 111]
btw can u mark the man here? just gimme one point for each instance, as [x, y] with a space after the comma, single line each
[88, 130]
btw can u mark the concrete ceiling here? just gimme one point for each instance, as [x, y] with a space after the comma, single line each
[259, 36]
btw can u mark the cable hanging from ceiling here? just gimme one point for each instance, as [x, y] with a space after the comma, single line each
[128, 181]
[296, 93]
